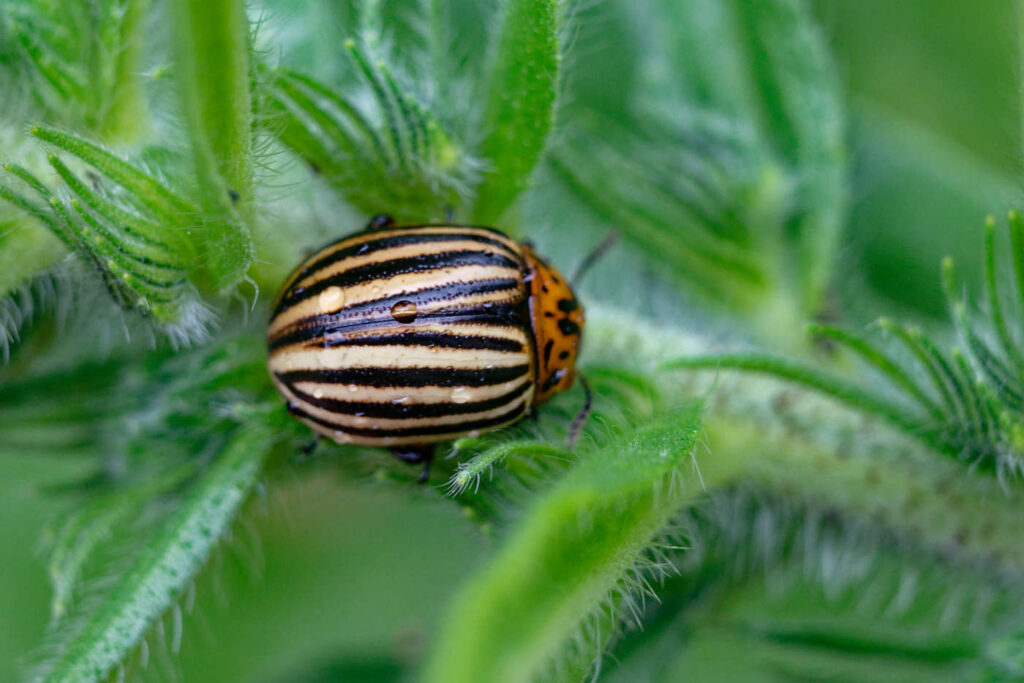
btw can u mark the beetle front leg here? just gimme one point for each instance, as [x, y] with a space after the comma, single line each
[415, 455]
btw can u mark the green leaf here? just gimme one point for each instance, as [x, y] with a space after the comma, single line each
[846, 392]
[393, 157]
[802, 117]
[740, 194]
[140, 270]
[571, 551]
[168, 563]
[149, 191]
[124, 117]
[519, 106]
[212, 68]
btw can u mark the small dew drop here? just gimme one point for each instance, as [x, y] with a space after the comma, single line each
[400, 400]
[318, 393]
[353, 388]
[341, 437]
[404, 312]
[460, 395]
[331, 299]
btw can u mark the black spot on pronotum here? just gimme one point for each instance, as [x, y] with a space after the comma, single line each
[563, 355]
[568, 327]
[567, 305]
[549, 314]
[547, 351]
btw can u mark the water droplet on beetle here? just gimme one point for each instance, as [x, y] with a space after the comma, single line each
[460, 395]
[331, 299]
[318, 393]
[400, 400]
[353, 388]
[404, 312]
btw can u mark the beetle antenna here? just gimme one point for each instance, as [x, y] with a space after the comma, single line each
[581, 415]
[591, 258]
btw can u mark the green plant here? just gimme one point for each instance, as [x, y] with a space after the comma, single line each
[152, 201]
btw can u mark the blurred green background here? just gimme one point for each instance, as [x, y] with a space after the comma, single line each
[935, 139]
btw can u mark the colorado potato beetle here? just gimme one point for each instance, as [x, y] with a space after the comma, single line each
[405, 335]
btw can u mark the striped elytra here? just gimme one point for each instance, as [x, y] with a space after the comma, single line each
[402, 336]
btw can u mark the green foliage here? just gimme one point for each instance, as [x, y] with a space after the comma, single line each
[120, 232]
[741, 195]
[337, 139]
[581, 541]
[84, 62]
[822, 521]
[213, 70]
[967, 404]
[178, 549]
[519, 106]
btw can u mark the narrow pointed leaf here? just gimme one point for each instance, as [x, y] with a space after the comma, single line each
[519, 107]
[568, 555]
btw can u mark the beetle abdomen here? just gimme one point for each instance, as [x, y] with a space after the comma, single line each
[406, 336]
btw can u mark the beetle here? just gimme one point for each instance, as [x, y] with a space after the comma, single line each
[402, 336]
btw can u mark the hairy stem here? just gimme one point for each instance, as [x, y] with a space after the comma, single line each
[124, 119]
[169, 562]
[212, 52]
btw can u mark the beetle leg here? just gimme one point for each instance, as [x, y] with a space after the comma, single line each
[576, 426]
[311, 446]
[380, 221]
[415, 455]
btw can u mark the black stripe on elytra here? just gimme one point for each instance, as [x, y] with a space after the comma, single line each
[382, 270]
[406, 377]
[360, 316]
[373, 244]
[411, 411]
[426, 430]
[499, 316]
[430, 340]
[424, 339]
